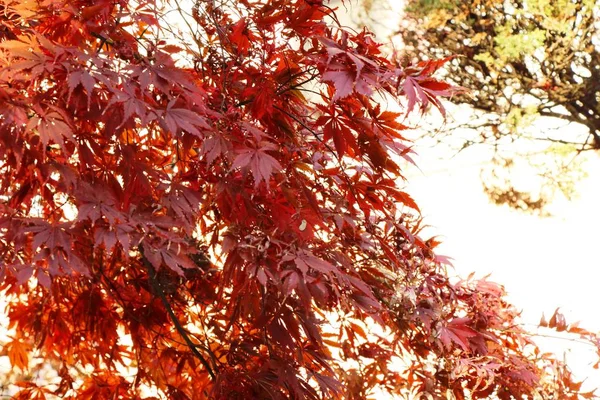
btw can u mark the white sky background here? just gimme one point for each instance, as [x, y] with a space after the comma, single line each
[544, 262]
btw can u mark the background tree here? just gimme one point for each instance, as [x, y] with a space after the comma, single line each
[179, 221]
[520, 60]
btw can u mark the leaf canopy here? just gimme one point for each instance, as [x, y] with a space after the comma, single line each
[216, 214]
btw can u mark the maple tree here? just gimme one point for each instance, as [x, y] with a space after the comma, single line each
[210, 208]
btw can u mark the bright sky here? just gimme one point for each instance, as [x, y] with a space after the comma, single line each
[543, 262]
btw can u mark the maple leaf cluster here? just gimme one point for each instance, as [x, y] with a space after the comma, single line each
[227, 200]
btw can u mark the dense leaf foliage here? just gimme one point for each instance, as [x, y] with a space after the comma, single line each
[521, 60]
[207, 206]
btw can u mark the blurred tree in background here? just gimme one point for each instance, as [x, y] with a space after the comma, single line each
[520, 60]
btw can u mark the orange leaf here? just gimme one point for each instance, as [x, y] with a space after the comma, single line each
[18, 354]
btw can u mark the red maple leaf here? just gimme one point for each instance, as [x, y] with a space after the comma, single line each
[258, 161]
[457, 331]
[51, 127]
[175, 119]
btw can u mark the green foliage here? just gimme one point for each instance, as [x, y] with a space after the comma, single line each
[487, 59]
[511, 46]
[520, 117]
[523, 60]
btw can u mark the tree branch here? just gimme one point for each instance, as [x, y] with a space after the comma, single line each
[158, 289]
